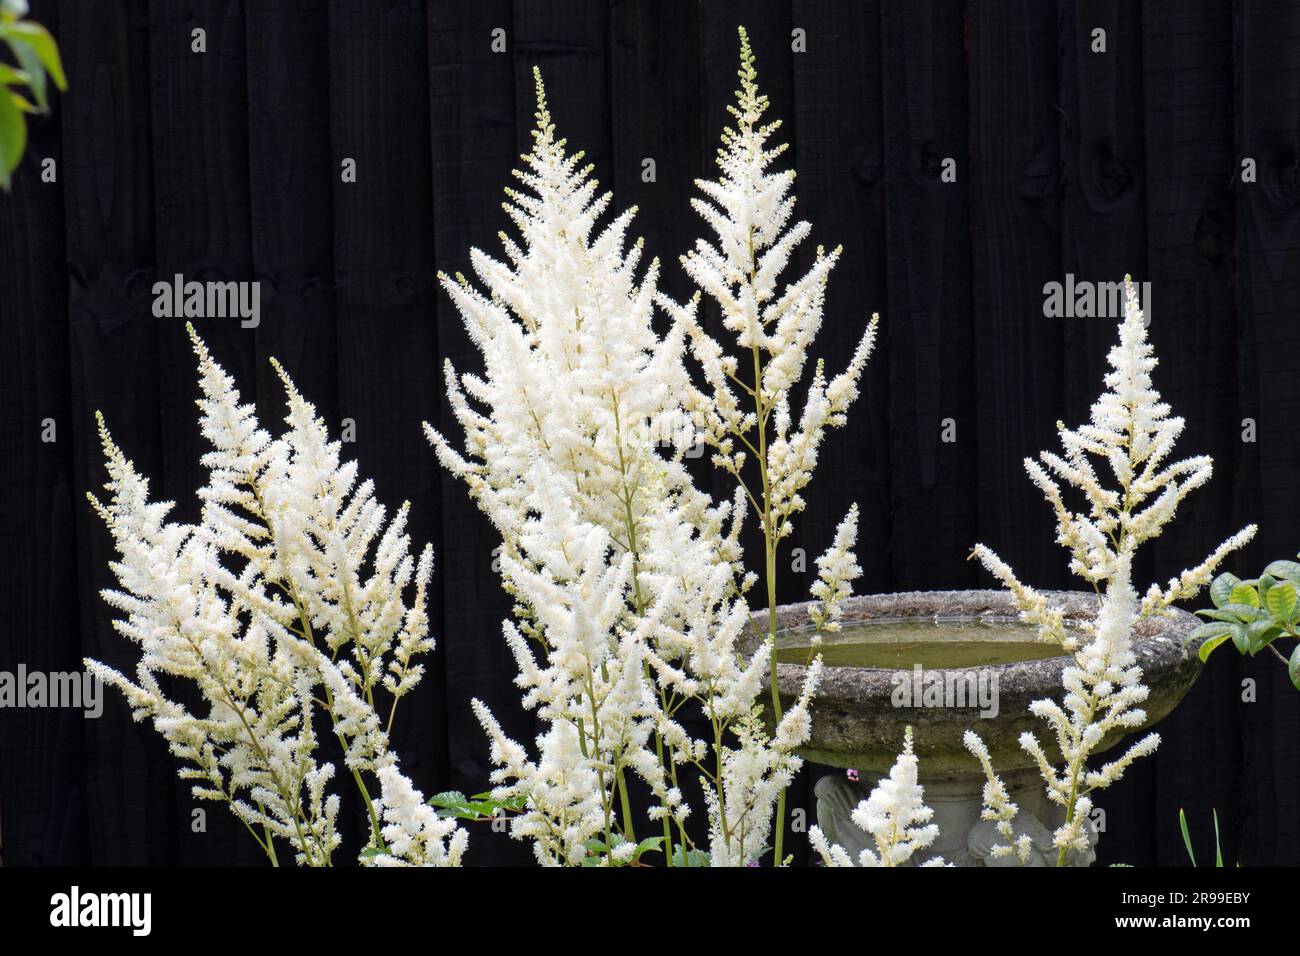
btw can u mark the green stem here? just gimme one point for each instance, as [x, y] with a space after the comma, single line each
[629, 521]
[769, 554]
[628, 830]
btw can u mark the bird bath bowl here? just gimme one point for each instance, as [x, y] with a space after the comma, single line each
[942, 662]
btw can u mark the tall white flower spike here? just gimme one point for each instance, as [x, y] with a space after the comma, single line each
[628, 579]
[1132, 433]
[744, 408]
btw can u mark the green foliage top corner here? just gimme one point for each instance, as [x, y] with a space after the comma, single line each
[24, 83]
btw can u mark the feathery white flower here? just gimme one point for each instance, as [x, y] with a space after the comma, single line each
[894, 815]
[286, 599]
[745, 406]
[413, 831]
[628, 579]
[1132, 432]
[998, 806]
[748, 209]
[837, 569]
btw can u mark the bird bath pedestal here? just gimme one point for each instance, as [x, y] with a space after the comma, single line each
[943, 662]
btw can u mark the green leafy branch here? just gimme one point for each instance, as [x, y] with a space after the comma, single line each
[24, 86]
[1254, 614]
[480, 808]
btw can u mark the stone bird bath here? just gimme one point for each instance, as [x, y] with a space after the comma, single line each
[872, 688]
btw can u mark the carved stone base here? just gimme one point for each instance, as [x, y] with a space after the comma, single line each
[964, 839]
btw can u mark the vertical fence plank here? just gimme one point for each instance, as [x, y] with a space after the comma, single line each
[42, 788]
[569, 43]
[654, 84]
[837, 133]
[841, 191]
[290, 176]
[384, 290]
[472, 103]
[1103, 212]
[1266, 108]
[107, 171]
[290, 172]
[1014, 187]
[1187, 93]
[929, 324]
[1103, 237]
[202, 230]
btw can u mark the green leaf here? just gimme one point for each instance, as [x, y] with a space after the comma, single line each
[1262, 633]
[1289, 570]
[515, 804]
[448, 798]
[648, 844]
[1187, 837]
[1218, 850]
[454, 804]
[46, 49]
[13, 139]
[1222, 587]
[1226, 616]
[1210, 645]
[10, 77]
[1281, 601]
[1293, 667]
[1245, 612]
[30, 61]
[1244, 594]
[684, 857]
[1240, 638]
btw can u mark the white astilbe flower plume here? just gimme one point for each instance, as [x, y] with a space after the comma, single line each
[998, 806]
[628, 580]
[837, 569]
[414, 832]
[745, 407]
[894, 815]
[1132, 432]
[285, 600]
[588, 686]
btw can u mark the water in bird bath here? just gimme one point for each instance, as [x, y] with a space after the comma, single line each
[931, 642]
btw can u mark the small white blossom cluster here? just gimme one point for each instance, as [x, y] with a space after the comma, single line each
[1132, 432]
[894, 815]
[285, 601]
[628, 580]
[999, 808]
[837, 569]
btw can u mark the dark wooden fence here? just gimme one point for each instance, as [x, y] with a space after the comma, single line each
[226, 165]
